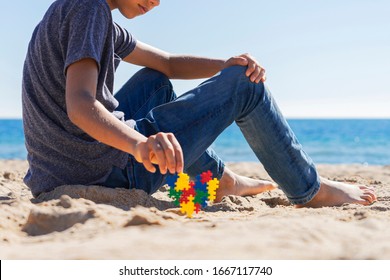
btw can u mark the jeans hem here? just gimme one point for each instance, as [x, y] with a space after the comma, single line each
[308, 196]
[220, 169]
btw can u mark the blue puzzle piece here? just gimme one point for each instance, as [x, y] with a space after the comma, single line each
[171, 179]
[199, 186]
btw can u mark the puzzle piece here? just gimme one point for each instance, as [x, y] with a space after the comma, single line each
[197, 208]
[189, 207]
[183, 182]
[201, 198]
[212, 186]
[175, 195]
[206, 176]
[199, 186]
[212, 196]
[190, 191]
[189, 195]
[183, 199]
[171, 180]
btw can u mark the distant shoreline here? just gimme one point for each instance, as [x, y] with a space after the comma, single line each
[326, 141]
[288, 118]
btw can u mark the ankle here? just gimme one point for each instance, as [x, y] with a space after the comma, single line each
[228, 180]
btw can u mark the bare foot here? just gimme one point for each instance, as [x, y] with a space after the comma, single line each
[333, 193]
[233, 184]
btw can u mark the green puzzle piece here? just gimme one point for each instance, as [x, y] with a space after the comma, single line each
[175, 195]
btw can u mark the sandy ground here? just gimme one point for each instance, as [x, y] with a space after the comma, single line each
[79, 222]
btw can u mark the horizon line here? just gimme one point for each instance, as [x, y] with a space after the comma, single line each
[287, 117]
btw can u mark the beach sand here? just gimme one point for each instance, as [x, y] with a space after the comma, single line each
[79, 222]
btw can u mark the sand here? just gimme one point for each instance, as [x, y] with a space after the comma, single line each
[79, 222]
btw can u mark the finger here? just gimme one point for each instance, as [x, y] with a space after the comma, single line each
[173, 153]
[261, 77]
[255, 75]
[178, 153]
[251, 68]
[157, 151]
[145, 159]
[168, 152]
[240, 61]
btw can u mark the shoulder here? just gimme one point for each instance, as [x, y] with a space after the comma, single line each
[98, 4]
[87, 3]
[84, 15]
[83, 8]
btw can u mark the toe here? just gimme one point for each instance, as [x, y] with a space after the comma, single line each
[369, 191]
[366, 200]
[373, 197]
[370, 197]
[272, 186]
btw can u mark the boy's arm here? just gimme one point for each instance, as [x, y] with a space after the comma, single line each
[191, 67]
[92, 117]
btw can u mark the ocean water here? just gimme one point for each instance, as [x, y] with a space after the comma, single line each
[12, 140]
[362, 141]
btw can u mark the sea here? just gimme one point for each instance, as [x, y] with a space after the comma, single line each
[330, 141]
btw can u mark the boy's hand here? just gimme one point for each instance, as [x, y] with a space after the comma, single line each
[162, 149]
[255, 71]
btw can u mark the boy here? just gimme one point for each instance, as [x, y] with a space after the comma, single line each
[77, 132]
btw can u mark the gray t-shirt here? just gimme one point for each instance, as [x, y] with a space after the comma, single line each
[58, 151]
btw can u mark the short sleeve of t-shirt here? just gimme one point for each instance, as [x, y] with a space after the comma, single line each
[124, 42]
[84, 32]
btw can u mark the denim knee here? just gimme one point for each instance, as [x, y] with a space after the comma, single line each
[145, 90]
[235, 73]
[247, 94]
[149, 75]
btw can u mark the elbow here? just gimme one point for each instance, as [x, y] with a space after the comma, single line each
[73, 116]
[78, 109]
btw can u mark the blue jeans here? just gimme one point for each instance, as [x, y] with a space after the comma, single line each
[197, 117]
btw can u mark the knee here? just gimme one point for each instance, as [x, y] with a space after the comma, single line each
[247, 93]
[149, 75]
[235, 72]
[153, 81]
[236, 76]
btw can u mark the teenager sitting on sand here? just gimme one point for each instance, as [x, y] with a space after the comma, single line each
[77, 132]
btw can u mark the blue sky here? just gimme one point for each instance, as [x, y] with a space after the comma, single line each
[323, 58]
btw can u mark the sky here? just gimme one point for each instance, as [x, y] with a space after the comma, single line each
[324, 58]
